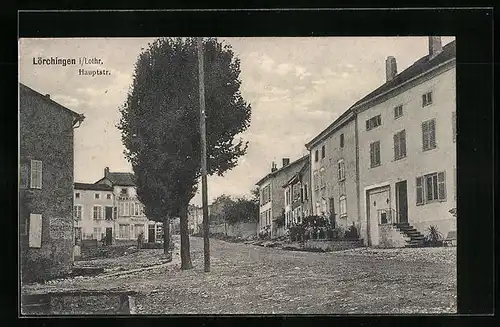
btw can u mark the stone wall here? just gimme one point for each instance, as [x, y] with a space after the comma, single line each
[334, 245]
[391, 237]
[243, 230]
[46, 134]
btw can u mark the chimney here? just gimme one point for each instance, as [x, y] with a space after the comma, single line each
[106, 171]
[273, 167]
[391, 69]
[435, 46]
[286, 162]
[47, 96]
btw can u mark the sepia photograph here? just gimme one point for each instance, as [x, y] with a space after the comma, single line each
[237, 175]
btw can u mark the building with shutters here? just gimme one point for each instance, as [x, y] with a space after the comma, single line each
[388, 163]
[94, 212]
[130, 219]
[407, 149]
[45, 185]
[272, 198]
[298, 196]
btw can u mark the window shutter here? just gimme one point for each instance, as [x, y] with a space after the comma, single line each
[24, 174]
[441, 186]
[425, 140]
[372, 162]
[379, 120]
[453, 125]
[432, 134]
[403, 143]
[36, 174]
[367, 124]
[35, 231]
[396, 146]
[377, 152]
[424, 100]
[429, 97]
[420, 190]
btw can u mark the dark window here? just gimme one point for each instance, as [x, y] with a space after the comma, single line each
[431, 187]
[373, 122]
[96, 195]
[400, 145]
[426, 99]
[77, 195]
[322, 152]
[108, 196]
[375, 154]
[316, 155]
[429, 134]
[341, 140]
[398, 111]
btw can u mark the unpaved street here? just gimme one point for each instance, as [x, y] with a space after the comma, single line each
[247, 279]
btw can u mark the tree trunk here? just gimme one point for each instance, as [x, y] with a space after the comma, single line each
[185, 255]
[166, 235]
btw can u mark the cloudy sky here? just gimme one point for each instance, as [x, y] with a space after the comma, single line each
[296, 86]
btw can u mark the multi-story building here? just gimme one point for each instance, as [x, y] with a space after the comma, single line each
[94, 212]
[130, 217]
[272, 197]
[333, 161]
[407, 149]
[45, 185]
[195, 219]
[298, 196]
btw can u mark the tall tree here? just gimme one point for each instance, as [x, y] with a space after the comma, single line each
[160, 124]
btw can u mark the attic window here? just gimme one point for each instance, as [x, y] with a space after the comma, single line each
[123, 191]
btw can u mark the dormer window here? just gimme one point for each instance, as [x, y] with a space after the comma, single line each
[123, 191]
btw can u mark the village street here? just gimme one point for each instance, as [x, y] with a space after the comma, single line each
[247, 279]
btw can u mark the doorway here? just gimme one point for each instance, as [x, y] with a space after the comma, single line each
[109, 235]
[378, 210]
[402, 201]
[151, 234]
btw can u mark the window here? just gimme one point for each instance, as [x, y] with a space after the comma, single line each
[373, 122]
[132, 208]
[431, 188]
[305, 192]
[97, 212]
[77, 212]
[322, 152]
[77, 195]
[316, 155]
[341, 140]
[97, 195]
[341, 169]
[115, 212]
[400, 145]
[398, 111]
[97, 233]
[137, 209]
[429, 134]
[454, 125]
[375, 154]
[124, 231]
[426, 99]
[343, 206]
[108, 214]
[23, 226]
[342, 188]
[322, 181]
[108, 196]
[36, 174]
[266, 195]
[123, 192]
[35, 231]
[126, 209]
[315, 180]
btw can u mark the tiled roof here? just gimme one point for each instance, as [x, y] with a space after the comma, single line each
[120, 179]
[420, 66]
[30, 90]
[274, 173]
[95, 187]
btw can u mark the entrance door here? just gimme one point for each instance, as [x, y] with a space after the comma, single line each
[332, 213]
[151, 234]
[402, 201]
[379, 204]
[109, 235]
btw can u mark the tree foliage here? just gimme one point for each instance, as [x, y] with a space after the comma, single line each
[160, 124]
[241, 210]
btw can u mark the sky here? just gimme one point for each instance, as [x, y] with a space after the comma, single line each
[296, 87]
